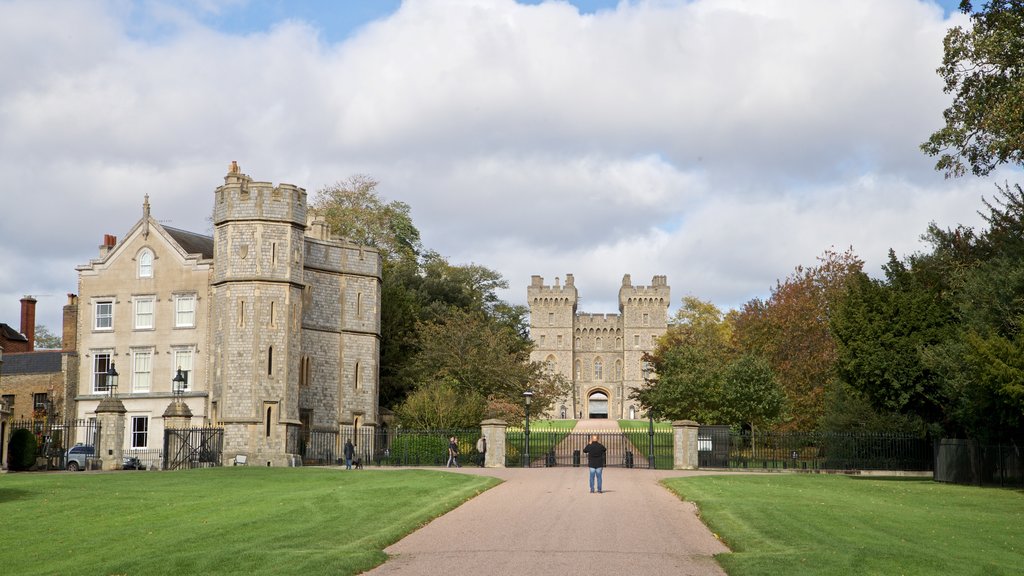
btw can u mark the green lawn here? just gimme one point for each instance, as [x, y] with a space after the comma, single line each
[817, 524]
[253, 520]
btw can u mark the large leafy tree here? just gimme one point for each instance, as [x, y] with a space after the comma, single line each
[983, 67]
[354, 210]
[941, 336]
[700, 376]
[791, 330]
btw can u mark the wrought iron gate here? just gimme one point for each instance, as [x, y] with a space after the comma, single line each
[193, 448]
[625, 448]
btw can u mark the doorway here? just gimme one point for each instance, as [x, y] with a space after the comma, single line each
[597, 405]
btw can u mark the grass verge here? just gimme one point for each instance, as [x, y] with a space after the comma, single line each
[307, 521]
[814, 524]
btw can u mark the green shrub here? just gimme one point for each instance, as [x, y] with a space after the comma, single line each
[21, 450]
[420, 449]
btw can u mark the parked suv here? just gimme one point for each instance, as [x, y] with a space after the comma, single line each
[77, 455]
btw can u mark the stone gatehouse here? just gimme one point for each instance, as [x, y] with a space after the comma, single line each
[601, 354]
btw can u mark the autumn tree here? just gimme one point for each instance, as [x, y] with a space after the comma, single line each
[791, 331]
[700, 375]
[983, 67]
[354, 211]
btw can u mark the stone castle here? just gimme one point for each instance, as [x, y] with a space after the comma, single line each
[274, 324]
[601, 354]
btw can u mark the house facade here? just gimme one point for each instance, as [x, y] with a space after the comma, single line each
[38, 384]
[274, 325]
[602, 355]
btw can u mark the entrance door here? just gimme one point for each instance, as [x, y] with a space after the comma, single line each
[597, 405]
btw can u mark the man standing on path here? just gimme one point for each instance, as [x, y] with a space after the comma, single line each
[595, 452]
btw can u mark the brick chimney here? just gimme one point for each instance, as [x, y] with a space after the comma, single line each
[69, 338]
[28, 321]
[109, 241]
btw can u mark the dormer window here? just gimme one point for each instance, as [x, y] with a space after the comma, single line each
[145, 263]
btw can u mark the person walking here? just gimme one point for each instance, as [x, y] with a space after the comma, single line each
[481, 447]
[595, 452]
[350, 451]
[453, 452]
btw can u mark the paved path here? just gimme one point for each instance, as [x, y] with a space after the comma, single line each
[544, 521]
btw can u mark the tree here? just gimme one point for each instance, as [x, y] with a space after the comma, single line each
[700, 376]
[791, 330]
[354, 211]
[46, 340]
[882, 329]
[442, 406]
[984, 68]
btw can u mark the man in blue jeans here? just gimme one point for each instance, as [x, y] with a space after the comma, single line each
[595, 452]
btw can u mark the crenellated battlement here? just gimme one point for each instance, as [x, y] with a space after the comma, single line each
[242, 198]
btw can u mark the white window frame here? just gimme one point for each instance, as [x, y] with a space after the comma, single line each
[185, 317]
[103, 319]
[142, 369]
[598, 369]
[99, 376]
[145, 312]
[145, 260]
[139, 438]
[184, 358]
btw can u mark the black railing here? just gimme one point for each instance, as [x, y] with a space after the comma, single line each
[55, 437]
[720, 447]
[969, 462]
[193, 448]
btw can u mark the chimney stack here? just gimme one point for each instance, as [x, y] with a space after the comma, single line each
[69, 341]
[28, 321]
[109, 241]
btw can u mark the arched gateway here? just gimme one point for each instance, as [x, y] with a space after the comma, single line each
[597, 405]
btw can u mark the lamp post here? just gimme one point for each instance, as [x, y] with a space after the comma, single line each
[527, 396]
[646, 368]
[112, 380]
[178, 385]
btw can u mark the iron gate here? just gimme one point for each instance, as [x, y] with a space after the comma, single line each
[626, 448]
[193, 448]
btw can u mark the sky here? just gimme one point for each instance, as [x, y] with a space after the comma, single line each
[721, 143]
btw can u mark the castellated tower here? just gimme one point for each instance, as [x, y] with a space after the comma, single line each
[601, 354]
[644, 312]
[296, 324]
[552, 318]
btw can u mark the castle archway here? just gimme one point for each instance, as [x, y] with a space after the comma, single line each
[597, 404]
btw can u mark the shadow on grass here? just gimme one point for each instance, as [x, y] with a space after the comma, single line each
[12, 494]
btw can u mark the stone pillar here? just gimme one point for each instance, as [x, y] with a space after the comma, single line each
[684, 445]
[494, 432]
[177, 415]
[110, 416]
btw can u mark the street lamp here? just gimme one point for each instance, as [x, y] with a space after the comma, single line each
[112, 380]
[527, 396]
[646, 369]
[178, 385]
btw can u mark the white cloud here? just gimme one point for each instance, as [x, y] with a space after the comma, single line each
[718, 142]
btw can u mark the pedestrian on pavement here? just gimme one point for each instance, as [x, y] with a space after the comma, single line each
[453, 452]
[481, 447]
[595, 452]
[350, 451]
